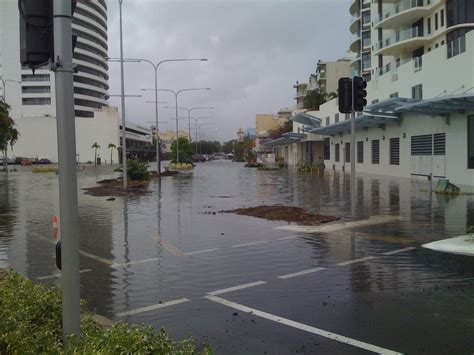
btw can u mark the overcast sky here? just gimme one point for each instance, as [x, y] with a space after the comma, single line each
[256, 51]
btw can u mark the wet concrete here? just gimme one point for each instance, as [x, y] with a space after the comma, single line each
[149, 250]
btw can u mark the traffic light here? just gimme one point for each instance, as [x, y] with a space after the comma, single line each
[358, 88]
[37, 32]
[344, 93]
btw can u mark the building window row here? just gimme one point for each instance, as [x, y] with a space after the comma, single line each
[36, 89]
[36, 77]
[36, 101]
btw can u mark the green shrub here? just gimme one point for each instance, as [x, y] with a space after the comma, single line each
[30, 323]
[137, 170]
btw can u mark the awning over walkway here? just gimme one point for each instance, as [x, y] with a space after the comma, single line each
[306, 119]
[294, 135]
[281, 141]
[440, 105]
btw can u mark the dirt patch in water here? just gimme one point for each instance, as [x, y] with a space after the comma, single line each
[284, 213]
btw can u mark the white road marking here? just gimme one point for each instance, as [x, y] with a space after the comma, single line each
[399, 251]
[200, 251]
[152, 307]
[286, 238]
[116, 265]
[335, 226]
[235, 288]
[304, 272]
[356, 261]
[53, 276]
[304, 327]
[248, 244]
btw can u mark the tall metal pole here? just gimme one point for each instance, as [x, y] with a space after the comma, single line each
[189, 124]
[66, 136]
[353, 165]
[122, 85]
[196, 138]
[177, 132]
[158, 159]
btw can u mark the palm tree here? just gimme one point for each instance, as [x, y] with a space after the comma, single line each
[95, 146]
[8, 133]
[112, 147]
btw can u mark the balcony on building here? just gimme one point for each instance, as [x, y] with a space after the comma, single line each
[355, 24]
[355, 44]
[402, 41]
[404, 13]
[355, 7]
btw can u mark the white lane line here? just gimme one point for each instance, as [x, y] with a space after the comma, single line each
[200, 251]
[116, 265]
[286, 238]
[248, 244]
[53, 276]
[152, 307]
[235, 288]
[304, 327]
[304, 272]
[356, 260]
[335, 226]
[399, 251]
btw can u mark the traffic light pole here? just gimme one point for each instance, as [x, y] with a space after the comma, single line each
[66, 136]
[353, 166]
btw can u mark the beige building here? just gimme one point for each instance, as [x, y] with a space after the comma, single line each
[167, 137]
[265, 123]
[328, 74]
[240, 135]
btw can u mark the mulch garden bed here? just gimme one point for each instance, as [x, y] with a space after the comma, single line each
[284, 213]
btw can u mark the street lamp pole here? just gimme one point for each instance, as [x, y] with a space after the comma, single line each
[196, 120]
[122, 85]
[189, 110]
[155, 68]
[4, 83]
[176, 94]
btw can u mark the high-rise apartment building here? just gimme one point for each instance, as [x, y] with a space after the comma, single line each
[32, 96]
[361, 41]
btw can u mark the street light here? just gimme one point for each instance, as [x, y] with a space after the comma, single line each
[196, 120]
[176, 93]
[122, 88]
[155, 68]
[200, 133]
[189, 110]
[4, 83]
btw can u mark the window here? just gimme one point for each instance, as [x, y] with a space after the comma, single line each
[375, 151]
[470, 142]
[417, 92]
[348, 153]
[360, 152]
[456, 41]
[436, 45]
[336, 148]
[442, 17]
[37, 77]
[422, 144]
[347, 116]
[336, 118]
[394, 151]
[394, 95]
[327, 150]
[428, 26]
[459, 12]
[37, 101]
[35, 89]
[327, 121]
[436, 21]
[376, 101]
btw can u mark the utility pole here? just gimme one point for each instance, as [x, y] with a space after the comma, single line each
[67, 168]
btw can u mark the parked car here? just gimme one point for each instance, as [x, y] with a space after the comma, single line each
[44, 161]
[26, 162]
[198, 158]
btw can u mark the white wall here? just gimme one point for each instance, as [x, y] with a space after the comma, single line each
[38, 136]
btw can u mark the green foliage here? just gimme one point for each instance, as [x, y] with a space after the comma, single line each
[206, 147]
[228, 147]
[185, 151]
[278, 132]
[8, 133]
[315, 98]
[30, 323]
[137, 170]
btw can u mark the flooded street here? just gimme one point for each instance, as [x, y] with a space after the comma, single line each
[245, 285]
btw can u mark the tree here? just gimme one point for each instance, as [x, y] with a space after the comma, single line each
[95, 146]
[316, 98]
[185, 151]
[112, 147]
[8, 133]
[278, 132]
[228, 147]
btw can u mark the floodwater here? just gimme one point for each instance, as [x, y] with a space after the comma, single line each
[157, 259]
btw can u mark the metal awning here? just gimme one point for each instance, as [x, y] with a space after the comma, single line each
[294, 135]
[281, 141]
[364, 121]
[440, 105]
[306, 119]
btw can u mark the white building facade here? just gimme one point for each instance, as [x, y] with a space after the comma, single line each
[420, 118]
[32, 97]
